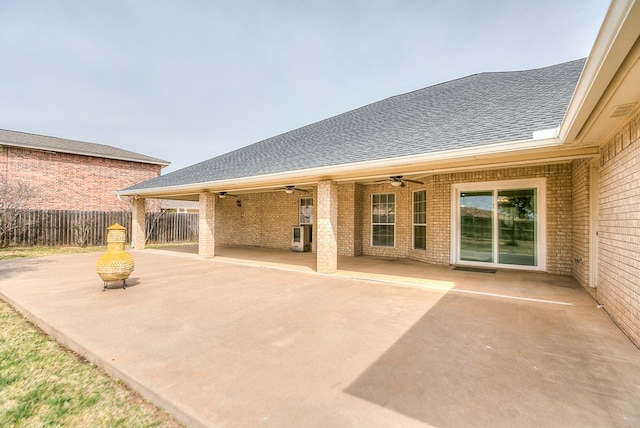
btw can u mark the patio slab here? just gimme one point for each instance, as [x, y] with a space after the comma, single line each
[227, 342]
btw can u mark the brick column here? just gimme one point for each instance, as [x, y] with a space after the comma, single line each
[327, 230]
[138, 224]
[350, 219]
[207, 225]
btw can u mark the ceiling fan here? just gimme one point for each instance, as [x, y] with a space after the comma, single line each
[398, 181]
[223, 195]
[290, 189]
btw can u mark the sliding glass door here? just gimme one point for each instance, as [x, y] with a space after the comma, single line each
[498, 224]
[476, 226]
[517, 244]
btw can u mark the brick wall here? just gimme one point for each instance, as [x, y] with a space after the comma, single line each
[327, 226]
[439, 219]
[265, 219]
[580, 221]
[73, 182]
[619, 228]
[207, 222]
[403, 219]
[438, 188]
[349, 219]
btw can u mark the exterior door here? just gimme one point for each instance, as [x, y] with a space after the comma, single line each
[498, 224]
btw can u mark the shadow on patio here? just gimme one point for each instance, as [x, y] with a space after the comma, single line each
[487, 361]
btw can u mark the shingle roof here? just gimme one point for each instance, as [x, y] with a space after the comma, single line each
[62, 145]
[477, 110]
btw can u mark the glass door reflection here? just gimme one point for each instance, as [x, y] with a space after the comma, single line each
[476, 226]
[517, 227]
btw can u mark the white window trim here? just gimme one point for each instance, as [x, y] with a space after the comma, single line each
[313, 213]
[395, 215]
[413, 224]
[540, 184]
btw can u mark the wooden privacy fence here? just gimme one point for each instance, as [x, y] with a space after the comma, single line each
[82, 228]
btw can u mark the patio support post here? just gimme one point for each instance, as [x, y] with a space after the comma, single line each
[207, 225]
[138, 224]
[327, 233]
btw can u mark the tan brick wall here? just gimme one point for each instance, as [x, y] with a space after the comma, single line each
[580, 221]
[207, 225]
[265, 219]
[619, 228]
[349, 219]
[327, 226]
[72, 182]
[138, 225]
[240, 225]
[438, 188]
[439, 219]
[403, 218]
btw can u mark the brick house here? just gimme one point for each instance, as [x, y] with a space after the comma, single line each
[73, 175]
[534, 170]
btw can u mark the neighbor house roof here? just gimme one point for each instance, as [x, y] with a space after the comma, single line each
[478, 110]
[62, 145]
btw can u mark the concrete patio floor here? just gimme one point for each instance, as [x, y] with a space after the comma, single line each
[256, 337]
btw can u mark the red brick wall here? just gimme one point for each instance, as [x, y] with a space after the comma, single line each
[73, 182]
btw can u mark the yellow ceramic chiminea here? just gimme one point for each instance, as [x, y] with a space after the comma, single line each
[116, 264]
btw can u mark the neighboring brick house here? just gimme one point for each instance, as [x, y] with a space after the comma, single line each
[73, 175]
[533, 170]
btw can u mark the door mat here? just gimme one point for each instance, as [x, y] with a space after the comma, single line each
[475, 269]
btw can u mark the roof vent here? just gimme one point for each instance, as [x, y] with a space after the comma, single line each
[622, 110]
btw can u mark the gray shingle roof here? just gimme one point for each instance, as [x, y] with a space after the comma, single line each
[480, 109]
[62, 145]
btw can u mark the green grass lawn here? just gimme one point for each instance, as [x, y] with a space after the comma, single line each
[22, 252]
[43, 384]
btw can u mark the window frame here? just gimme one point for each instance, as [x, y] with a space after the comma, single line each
[413, 219]
[310, 223]
[540, 184]
[306, 198]
[392, 224]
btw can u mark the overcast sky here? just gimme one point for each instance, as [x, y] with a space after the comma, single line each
[187, 80]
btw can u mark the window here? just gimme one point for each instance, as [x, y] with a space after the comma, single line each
[306, 211]
[305, 215]
[420, 220]
[383, 219]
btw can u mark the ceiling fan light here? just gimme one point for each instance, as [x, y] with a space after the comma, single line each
[396, 183]
[288, 191]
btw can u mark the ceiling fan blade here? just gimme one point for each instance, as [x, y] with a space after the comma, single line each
[413, 181]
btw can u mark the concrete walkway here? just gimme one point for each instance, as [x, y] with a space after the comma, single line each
[226, 343]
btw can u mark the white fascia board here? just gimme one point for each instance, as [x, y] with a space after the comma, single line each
[618, 33]
[334, 171]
